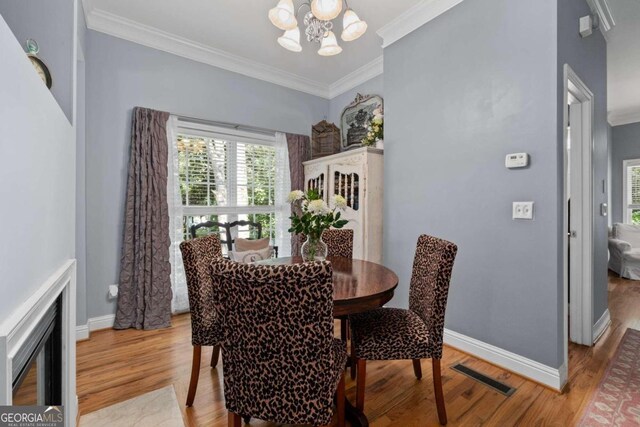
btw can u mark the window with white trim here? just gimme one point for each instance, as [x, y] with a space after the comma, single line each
[631, 191]
[224, 174]
[227, 175]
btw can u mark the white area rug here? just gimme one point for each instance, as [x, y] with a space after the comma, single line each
[158, 408]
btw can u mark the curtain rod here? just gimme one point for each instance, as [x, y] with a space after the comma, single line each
[226, 124]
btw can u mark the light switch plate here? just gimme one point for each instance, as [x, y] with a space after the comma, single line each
[522, 210]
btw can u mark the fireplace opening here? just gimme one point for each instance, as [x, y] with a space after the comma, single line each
[37, 366]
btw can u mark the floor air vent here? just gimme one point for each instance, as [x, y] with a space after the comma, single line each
[488, 381]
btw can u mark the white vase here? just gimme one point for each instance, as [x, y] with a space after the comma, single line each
[380, 144]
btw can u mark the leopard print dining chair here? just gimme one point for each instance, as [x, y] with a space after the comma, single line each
[416, 333]
[339, 242]
[280, 360]
[197, 256]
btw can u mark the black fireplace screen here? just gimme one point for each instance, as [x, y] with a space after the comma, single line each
[37, 366]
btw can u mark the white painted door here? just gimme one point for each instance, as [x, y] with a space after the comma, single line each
[575, 182]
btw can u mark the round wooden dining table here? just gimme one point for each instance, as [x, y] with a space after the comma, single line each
[358, 286]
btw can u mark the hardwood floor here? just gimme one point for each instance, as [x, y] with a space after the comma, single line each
[117, 365]
[27, 393]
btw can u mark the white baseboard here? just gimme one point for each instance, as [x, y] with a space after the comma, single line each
[94, 324]
[82, 332]
[102, 322]
[554, 378]
[601, 325]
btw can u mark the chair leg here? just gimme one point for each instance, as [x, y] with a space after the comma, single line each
[246, 419]
[195, 373]
[234, 420]
[354, 360]
[437, 386]
[344, 328]
[340, 401]
[215, 355]
[417, 368]
[360, 383]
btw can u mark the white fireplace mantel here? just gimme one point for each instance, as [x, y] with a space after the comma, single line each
[18, 326]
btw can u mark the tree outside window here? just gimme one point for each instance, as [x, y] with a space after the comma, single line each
[224, 181]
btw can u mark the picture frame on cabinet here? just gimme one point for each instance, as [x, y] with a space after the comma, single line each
[355, 119]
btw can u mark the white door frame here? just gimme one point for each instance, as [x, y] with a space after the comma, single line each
[581, 293]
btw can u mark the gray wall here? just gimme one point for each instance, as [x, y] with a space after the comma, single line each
[50, 23]
[37, 179]
[609, 173]
[81, 208]
[625, 146]
[372, 86]
[122, 75]
[458, 98]
[588, 58]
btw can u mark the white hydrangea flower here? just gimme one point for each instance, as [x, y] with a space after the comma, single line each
[339, 201]
[295, 195]
[317, 207]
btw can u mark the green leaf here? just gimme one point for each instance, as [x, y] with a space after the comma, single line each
[313, 194]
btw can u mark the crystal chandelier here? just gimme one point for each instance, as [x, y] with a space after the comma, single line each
[318, 24]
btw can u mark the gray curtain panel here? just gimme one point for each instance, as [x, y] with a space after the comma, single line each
[299, 147]
[144, 295]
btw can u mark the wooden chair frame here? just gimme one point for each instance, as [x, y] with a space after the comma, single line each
[227, 226]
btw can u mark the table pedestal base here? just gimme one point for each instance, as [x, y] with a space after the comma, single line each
[354, 416]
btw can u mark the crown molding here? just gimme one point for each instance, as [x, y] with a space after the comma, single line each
[357, 77]
[602, 9]
[413, 19]
[117, 26]
[617, 118]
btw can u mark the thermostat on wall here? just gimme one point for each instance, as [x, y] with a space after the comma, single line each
[517, 160]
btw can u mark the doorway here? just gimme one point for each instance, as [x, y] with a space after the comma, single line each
[578, 211]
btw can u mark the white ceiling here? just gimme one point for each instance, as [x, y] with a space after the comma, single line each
[623, 62]
[240, 32]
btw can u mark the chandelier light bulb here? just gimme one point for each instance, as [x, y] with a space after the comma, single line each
[329, 46]
[283, 15]
[353, 27]
[326, 10]
[290, 40]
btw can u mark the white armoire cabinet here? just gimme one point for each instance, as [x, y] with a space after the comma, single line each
[357, 175]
